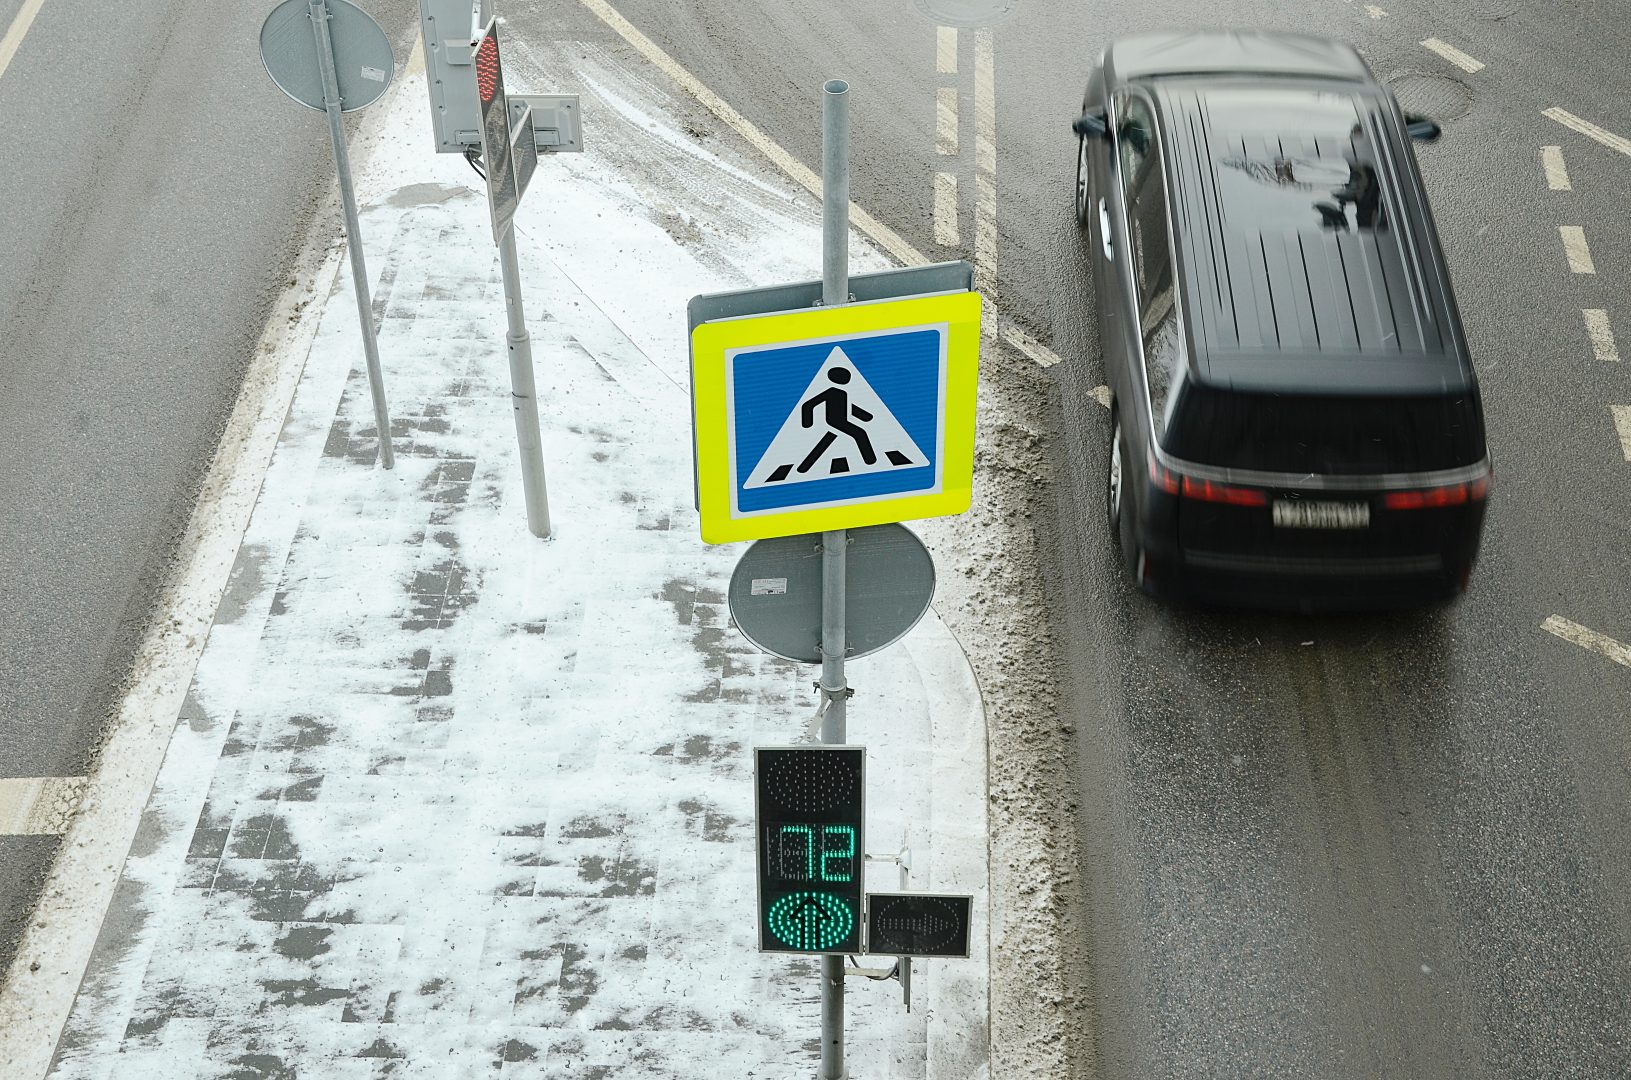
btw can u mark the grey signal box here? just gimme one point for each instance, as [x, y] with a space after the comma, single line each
[449, 26]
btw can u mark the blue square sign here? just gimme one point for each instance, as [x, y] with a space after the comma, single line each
[836, 420]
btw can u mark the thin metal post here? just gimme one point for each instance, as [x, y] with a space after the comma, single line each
[523, 393]
[834, 690]
[353, 232]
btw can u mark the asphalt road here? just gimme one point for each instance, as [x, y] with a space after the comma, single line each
[1335, 847]
[155, 192]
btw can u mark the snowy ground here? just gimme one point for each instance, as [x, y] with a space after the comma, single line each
[449, 801]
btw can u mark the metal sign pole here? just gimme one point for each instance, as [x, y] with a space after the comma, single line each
[523, 392]
[348, 198]
[834, 690]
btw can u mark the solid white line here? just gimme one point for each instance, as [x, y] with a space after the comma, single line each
[1454, 55]
[985, 162]
[1589, 130]
[1588, 639]
[945, 121]
[945, 210]
[1602, 335]
[881, 234]
[1557, 174]
[1375, 12]
[1622, 424]
[1574, 245]
[38, 805]
[14, 33]
[945, 50]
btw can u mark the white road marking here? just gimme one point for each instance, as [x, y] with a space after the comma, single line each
[1454, 55]
[1101, 394]
[14, 33]
[1602, 335]
[1622, 424]
[945, 210]
[945, 121]
[38, 805]
[1589, 130]
[945, 50]
[1574, 245]
[985, 163]
[1557, 174]
[1375, 12]
[1588, 639]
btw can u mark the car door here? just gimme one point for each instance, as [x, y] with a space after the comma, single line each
[1128, 162]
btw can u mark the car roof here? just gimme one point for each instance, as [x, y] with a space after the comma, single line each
[1266, 289]
[1196, 52]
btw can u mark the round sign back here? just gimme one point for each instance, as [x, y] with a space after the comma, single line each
[363, 63]
[775, 592]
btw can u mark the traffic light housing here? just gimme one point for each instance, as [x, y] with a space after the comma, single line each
[808, 803]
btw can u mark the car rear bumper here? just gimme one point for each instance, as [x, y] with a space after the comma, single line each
[1301, 583]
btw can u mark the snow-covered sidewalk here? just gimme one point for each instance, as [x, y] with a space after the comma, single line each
[449, 801]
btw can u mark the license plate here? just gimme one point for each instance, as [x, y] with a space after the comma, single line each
[1303, 514]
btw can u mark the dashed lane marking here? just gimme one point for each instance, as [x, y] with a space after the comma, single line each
[999, 325]
[945, 121]
[1574, 245]
[945, 210]
[1557, 174]
[1588, 639]
[1454, 55]
[38, 805]
[1375, 12]
[1589, 130]
[1602, 335]
[945, 50]
[1622, 424]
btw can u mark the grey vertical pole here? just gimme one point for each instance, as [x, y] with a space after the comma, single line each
[834, 690]
[523, 394]
[353, 233]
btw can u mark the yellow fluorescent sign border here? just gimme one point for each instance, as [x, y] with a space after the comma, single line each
[711, 343]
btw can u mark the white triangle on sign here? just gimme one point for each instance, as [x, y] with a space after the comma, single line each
[840, 427]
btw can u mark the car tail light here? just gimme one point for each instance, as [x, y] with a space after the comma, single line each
[1176, 483]
[1474, 490]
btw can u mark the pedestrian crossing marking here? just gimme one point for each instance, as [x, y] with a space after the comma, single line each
[838, 419]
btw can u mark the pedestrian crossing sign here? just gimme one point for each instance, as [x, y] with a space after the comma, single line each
[835, 418]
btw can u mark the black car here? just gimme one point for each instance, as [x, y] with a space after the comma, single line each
[1296, 421]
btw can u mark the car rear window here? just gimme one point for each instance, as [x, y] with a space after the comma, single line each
[1336, 435]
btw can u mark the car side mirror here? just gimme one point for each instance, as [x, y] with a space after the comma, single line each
[1419, 127]
[1092, 124]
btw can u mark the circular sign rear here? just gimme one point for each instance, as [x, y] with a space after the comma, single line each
[363, 63]
[775, 592]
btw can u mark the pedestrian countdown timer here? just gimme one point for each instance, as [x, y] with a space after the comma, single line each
[835, 418]
[810, 848]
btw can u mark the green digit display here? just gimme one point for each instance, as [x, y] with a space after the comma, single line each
[845, 834]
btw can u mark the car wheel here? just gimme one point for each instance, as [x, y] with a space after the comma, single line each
[1083, 200]
[1119, 500]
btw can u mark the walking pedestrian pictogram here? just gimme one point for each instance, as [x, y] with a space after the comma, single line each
[835, 418]
[841, 427]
